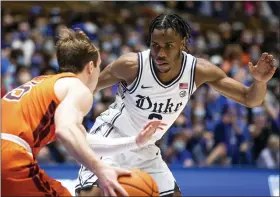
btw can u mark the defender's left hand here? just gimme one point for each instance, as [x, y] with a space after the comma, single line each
[147, 133]
[264, 69]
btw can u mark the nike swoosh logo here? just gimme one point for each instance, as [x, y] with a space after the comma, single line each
[144, 87]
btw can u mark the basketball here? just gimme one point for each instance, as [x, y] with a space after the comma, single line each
[139, 183]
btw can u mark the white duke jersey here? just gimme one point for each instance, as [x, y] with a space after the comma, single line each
[147, 98]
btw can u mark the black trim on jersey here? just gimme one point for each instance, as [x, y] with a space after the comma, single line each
[124, 85]
[139, 74]
[87, 182]
[191, 78]
[121, 85]
[80, 177]
[86, 185]
[169, 192]
[82, 183]
[117, 115]
[78, 186]
[109, 130]
[117, 94]
[194, 68]
[95, 130]
[108, 133]
[89, 185]
[165, 192]
[173, 81]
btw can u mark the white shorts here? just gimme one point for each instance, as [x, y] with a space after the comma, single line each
[147, 159]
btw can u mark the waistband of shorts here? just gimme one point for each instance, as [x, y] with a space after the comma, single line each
[17, 140]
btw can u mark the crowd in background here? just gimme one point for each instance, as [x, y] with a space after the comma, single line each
[212, 130]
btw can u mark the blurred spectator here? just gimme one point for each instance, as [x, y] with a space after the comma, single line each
[5, 76]
[203, 142]
[206, 8]
[214, 105]
[177, 152]
[220, 9]
[232, 57]
[23, 75]
[228, 138]
[22, 41]
[48, 71]
[181, 122]
[270, 156]
[263, 126]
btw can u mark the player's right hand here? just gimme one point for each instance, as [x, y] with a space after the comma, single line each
[108, 180]
[146, 134]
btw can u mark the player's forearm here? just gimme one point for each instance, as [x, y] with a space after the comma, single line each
[255, 94]
[74, 140]
[106, 79]
[105, 82]
[103, 146]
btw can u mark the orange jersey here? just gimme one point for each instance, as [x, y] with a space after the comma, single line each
[28, 111]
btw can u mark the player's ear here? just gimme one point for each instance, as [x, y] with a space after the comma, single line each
[90, 67]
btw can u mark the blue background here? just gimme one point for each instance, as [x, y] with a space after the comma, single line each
[200, 181]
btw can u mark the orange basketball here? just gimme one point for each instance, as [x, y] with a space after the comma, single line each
[139, 183]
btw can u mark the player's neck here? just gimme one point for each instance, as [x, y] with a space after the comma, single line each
[174, 72]
[85, 80]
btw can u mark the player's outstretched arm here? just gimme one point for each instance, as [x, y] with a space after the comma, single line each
[125, 68]
[76, 101]
[251, 96]
[103, 146]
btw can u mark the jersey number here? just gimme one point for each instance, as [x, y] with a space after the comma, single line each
[154, 115]
[19, 92]
[16, 94]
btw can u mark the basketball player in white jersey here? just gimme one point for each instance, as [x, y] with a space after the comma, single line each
[157, 84]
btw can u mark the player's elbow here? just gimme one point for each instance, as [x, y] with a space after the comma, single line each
[60, 135]
[68, 131]
[251, 104]
[62, 132]
[251, 100]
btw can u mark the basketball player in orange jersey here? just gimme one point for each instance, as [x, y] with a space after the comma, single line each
[157, 84]
[52, 107]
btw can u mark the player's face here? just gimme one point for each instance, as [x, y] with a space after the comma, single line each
[166, 47]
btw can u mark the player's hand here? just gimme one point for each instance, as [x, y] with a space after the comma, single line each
[108, 180]
[264, 69]
[146, 134]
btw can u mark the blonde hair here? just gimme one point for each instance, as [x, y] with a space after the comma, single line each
[75, 50]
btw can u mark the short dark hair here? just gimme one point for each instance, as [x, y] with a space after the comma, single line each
[74, 51]
[165, 21]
